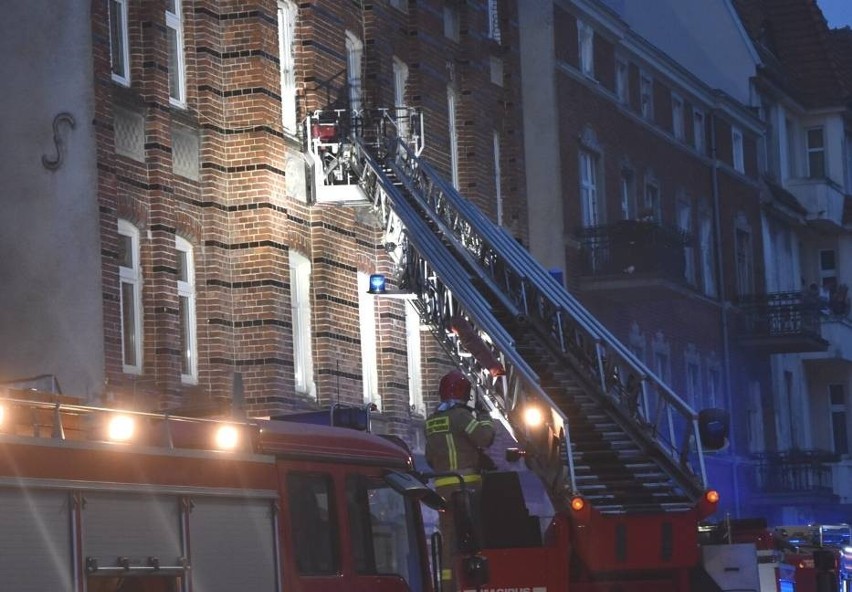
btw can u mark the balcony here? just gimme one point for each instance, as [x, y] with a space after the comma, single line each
[803, 475]
[823, 199]
[781, 323]
[632, 258]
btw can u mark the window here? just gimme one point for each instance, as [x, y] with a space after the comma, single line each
[130, 278]
[383, 530]
[367, 320]
[354, 54]
[494, 21]
[684, 222]
[454, 140]
[498, 185]
[412, 340]
[745, 263]
[627, 203]
[174, 36]
[693, 384]
[589, 188]
[828, 269]
[496, 70]
[119, 43]
[790, 136]
[712, 396]
[837, 401]
[816, 153]
[186, 311]
[452, 24]
[755, 417]
[661, 365]
[300, 303]
[677, 117]
[651, 207]
[646, 95]
[622, 86]
[708, 259]
[737, 150]
[287, 56]
[313, 523]
[586, 40]
[400, 80]
[699, 131]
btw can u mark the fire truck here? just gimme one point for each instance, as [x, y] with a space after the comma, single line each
[100, 500]
[821, 553]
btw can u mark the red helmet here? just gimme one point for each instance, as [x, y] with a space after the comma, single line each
[454, 386]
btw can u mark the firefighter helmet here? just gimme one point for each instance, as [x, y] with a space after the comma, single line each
[454, 386]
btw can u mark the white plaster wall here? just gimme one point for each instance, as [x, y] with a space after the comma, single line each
[50, 296]
[701, 35]
[541, 134]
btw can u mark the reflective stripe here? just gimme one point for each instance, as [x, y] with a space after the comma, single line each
[437, 425]
[452, 455]
[443, 481]
[446, 574]
[475, 424]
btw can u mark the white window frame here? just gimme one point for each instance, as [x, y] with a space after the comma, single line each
[187, 326]
[813, 151]
[498, 176]
[743, 254]
[699, 131]
[287, 14]
[677, 117]
[737, 154]
[120, 37]
[400, 82]
[300, 307]
[131, 322]
[622, 80]
[354, 58]
[589, 188]
[415, 360]
[369, 358]
[708, 259]
[646, 95]
[586, 48]
[174, 22]
[684, 222]
[453, 134]
[628, 203]
[494, 21]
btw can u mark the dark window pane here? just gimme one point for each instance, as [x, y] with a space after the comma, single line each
[128, 323]
[185, 337]
[313, 523]
[125, 251]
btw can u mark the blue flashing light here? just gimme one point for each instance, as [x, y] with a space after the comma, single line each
[377, 284]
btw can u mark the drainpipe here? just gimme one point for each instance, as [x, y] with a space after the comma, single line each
[720, 268]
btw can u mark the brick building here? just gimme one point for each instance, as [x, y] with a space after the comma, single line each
[228, 278]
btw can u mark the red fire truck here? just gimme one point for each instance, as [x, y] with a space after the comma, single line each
[96, 500]
[821, 553]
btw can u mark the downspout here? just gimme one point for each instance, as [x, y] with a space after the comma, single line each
[720, 268]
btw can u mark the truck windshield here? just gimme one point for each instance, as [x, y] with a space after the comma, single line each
[384, 530]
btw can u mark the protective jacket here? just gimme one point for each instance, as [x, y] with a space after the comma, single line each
[454, 438]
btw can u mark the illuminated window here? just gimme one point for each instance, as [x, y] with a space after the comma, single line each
[354, 55]
[287, 56]
[119, 43]
[177, 67]
[130, 297]
[300, 290]
[367, 321]
[186, 311]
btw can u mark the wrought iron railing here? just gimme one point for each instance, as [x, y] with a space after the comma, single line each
[780, 314]
[795, 471]
[634, 247]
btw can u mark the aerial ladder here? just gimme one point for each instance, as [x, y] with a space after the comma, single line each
[616, 444]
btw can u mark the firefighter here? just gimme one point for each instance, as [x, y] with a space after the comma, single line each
[456, 439]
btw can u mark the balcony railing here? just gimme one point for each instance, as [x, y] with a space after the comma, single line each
[806, 472]
[633, 247]
[781, 322]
